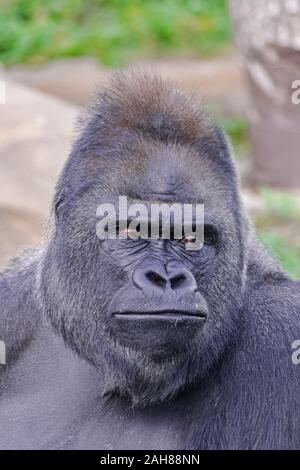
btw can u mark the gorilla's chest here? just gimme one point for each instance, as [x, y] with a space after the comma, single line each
[53, 400]
[127, 430]
[40, 422]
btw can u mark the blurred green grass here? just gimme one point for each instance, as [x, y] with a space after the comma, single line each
[236, 128]
[286, 253]
[279, 228]
[114, 31]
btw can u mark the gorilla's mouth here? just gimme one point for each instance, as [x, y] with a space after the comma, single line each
[165, 315]
[160, 332]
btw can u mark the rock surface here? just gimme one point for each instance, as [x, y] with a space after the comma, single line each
[35, 137]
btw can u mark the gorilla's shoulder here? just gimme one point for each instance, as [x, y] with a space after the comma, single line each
[19, 313]
[271, 296]
[273, 304]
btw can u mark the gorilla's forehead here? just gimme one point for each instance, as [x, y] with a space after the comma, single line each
[172, 173]
[170, 188]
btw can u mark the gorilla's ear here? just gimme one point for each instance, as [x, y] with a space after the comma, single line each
[58, 205]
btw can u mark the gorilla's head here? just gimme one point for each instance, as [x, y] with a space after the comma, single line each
[150, 315]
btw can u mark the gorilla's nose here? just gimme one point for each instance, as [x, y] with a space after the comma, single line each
[158, 278]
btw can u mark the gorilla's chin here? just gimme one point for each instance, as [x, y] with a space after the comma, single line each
[146, 379]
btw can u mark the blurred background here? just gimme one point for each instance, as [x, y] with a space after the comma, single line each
[241, 56]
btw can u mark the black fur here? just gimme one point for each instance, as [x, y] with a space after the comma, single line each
[76, 378]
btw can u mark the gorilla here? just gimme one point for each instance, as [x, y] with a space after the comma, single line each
[134, 343]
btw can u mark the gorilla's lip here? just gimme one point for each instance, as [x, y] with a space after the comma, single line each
[167, 314]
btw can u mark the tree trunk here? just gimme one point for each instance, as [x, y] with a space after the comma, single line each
[267, 33]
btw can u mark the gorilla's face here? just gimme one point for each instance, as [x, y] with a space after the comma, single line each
[158, 308]
[150, 315]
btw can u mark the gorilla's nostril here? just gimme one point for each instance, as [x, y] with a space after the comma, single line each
[156, 279]
[177, 280]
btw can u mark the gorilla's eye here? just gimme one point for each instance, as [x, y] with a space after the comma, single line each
[210, 235]
[188, 240]
[131, 233]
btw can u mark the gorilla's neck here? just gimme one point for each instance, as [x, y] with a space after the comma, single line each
[143, 381]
